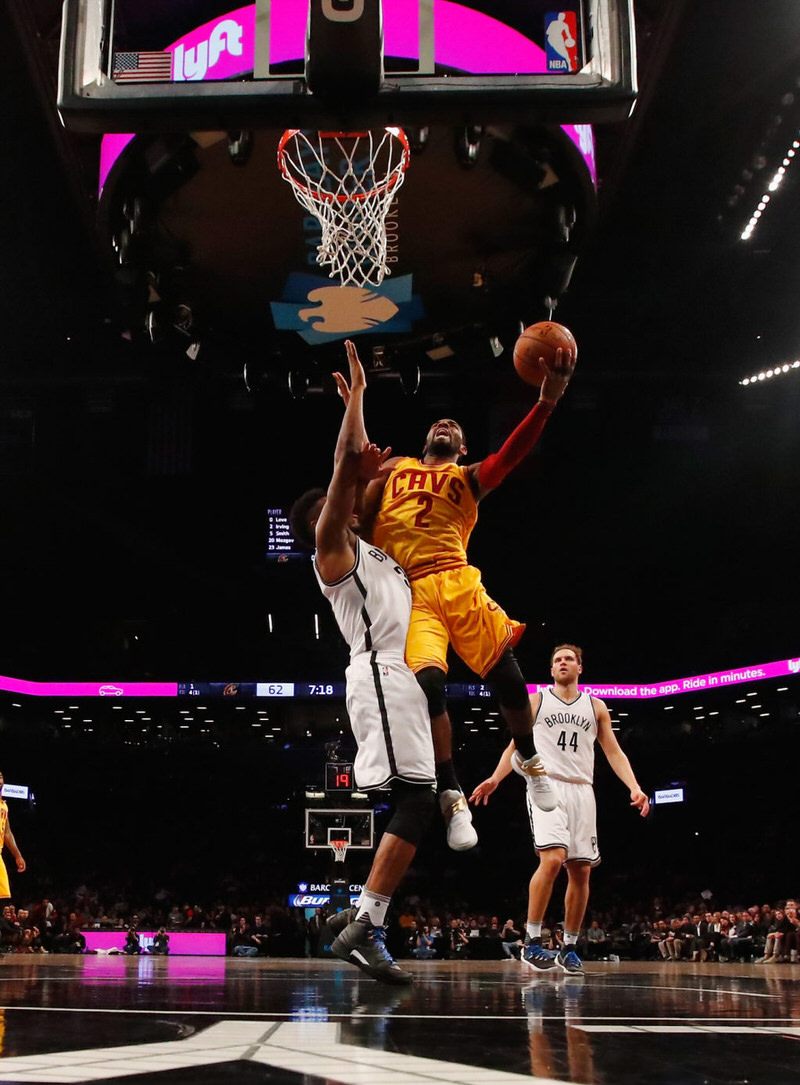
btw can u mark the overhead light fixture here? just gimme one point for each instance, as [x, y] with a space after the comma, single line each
[773, 186]
[769, 374]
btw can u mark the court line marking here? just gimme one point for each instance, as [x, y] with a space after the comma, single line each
[694, 1030]
[346, 1015]
[650, 987]
[312, 1049]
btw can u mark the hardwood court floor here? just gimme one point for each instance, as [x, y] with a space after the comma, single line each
[208, 1020]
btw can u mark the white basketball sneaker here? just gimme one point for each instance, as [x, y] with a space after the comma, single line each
[461, 834]
[536, 778]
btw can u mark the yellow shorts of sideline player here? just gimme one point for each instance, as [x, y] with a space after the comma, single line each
[5, 888]
[453, 607]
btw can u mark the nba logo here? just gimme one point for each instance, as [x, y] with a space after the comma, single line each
[561, 41]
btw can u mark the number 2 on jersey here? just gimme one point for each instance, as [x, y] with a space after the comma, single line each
[561, 741]
[426, 503]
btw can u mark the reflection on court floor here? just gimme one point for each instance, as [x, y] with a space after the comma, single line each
[207, 1021]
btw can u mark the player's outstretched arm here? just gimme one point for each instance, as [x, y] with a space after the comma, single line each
[352, 432]
[487, 787]
[489, 473]
[353, 437]
[355, 460]
[617, 758]
[11, 844]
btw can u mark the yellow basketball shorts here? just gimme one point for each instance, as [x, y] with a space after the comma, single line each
[453, 607]
[5, 888]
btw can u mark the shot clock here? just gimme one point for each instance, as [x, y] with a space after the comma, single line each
[339, 776]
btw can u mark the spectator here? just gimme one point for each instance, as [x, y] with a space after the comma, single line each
[261, 934]
[160, 946]
[242, 944]
[131, 947]
[30, 941]
[658, 937]
[596, 942]
[458, 942]
[740, 939]
[671, 946]
[715, 935]
[71, 938]
[699, 944]
[686, 934]
[423, 945]
[773, 942]
[10, 930]
[511, 941]
[791, 943]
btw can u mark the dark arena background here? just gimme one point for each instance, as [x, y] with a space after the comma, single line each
[172, 690]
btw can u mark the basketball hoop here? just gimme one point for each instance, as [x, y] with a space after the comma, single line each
[348, 181]
[339, 848]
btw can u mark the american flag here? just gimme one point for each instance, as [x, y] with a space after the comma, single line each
[142, 68]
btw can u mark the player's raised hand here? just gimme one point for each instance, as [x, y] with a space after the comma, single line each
[357, 375]
[483, 791]
[371, 461]
[640, 801]
[358, 378]
[342, 387]
[559, 373]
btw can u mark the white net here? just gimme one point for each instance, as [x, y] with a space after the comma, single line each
[348, 181]
[339, 850]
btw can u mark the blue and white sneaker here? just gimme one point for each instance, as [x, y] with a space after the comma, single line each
[569, 960]
[535, 955]
[365, 946]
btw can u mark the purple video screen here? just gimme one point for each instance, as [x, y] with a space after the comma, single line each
[181, 943]
[697, 683]
[782, 668]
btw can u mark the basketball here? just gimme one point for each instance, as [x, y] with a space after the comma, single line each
[541, 340]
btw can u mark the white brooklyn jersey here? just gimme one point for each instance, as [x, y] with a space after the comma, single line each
[388, 710]
[564, 733]
[371, 603]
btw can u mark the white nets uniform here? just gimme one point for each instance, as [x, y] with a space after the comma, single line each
[388, 710]
[564, 733]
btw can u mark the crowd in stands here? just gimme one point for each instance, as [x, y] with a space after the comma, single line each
[696, 931]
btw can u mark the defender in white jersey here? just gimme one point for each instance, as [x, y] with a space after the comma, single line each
[387, 708]
[371, 601]
[567, 723]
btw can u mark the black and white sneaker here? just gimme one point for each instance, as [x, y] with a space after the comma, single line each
[365, 946]
[569, 960]
[339, 920]
[535, 955]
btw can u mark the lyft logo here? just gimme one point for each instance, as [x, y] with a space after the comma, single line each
[794, 666]
[195, 62]
[342, 11]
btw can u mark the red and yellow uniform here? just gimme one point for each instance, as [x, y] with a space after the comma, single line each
[426, 517]
[5, 888]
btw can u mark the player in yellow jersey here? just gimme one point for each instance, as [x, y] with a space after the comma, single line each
[7, 840]
[422, 512]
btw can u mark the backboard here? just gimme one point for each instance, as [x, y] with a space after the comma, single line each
[325, 825]
[203, 64]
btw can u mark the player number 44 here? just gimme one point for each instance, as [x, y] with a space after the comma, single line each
[561, 741]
